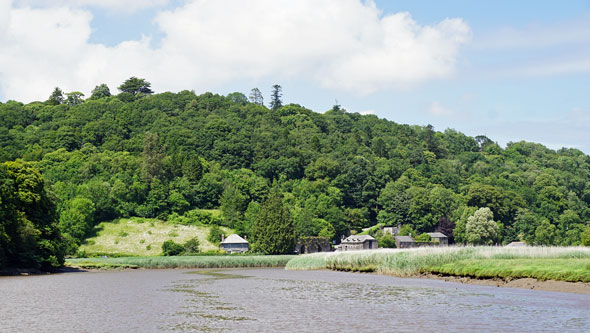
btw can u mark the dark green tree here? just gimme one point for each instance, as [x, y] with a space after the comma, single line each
[74, 98]
[136, 86]
[100, 91]
[273, 231]
[275, 97]
[56, 97]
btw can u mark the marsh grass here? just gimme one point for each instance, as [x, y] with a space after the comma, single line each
[213, 261]
[559, 263]
[143, 237]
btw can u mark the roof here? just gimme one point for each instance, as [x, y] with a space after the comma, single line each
[234, 239]
[357, 238]
[436, 235]
[404, 239]
[517, 244]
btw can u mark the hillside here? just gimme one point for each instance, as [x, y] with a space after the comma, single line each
[143, 237]
[165, 155]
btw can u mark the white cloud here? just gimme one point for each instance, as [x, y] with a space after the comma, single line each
[114, 5]
[438, 110]
[343, 45]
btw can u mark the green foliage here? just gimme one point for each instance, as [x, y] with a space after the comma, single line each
[275, 97]
[191, 247]
[136, 87]
[586, 237]
[481, 228]
[273, 231]
[100, 91]
[407, 230]
[423, 238]
[170, 248]
[56, 97]
[215, 234]
[171, 155]
[29, 234]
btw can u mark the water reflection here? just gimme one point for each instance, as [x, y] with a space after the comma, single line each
[270, 300]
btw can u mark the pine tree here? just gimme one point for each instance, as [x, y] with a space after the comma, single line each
[275, 96]
[273, 230]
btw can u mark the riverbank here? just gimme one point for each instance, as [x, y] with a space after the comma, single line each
[218, 261]
[541, 268]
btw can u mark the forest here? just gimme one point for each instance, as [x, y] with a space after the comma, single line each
[68, 163]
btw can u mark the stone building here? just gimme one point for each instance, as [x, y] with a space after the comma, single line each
[439, 237]
[313, 245]
[358, 242]
[404, 242]
[234, 244]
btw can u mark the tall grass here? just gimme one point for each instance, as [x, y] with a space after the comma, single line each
[227, 261]
[408, 262]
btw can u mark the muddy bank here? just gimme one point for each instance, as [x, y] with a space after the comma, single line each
[523, 283]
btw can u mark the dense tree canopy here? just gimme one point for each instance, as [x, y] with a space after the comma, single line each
[172, 153]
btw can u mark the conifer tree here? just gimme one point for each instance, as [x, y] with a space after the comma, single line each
[273, 230]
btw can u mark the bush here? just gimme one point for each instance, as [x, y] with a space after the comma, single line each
[170, 248]
[386, 240]
[191, 247]
[423, 238]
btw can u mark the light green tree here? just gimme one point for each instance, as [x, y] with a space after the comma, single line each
[481, 228]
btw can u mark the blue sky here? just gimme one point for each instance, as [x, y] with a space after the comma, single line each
[511, 70]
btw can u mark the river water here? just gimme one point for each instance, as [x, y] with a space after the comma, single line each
[270, 300]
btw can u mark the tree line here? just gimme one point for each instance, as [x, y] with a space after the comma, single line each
[168, 155]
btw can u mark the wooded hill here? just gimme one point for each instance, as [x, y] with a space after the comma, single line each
[168, 155]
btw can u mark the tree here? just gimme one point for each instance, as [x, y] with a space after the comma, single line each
[136, 86]
[100, 91]
[275, 97]
[171, 248]
[76, 221]
[215, 234]
[74, 98]
[238, 98]
[586, 236]
[232, 205]
[273, 230]
[56, 97]
[545, 233]
[256, 97]
[481, 228]
[446, 227]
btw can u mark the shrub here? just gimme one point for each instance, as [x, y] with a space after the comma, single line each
[423, 238]
[191, 247]
[170, 248]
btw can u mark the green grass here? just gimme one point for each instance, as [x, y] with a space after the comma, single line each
[143, 237]
[556, 263]
[219, 261]
[572, 270]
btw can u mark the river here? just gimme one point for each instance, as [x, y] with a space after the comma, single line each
[270, 300]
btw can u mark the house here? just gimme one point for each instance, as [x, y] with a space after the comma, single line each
[358, 242]
[392, 230]
[313, 245]
[404, 242]
[439, 237]
[234, 244]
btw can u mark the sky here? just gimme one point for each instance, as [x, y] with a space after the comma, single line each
[510, 70]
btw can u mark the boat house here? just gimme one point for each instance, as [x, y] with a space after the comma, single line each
[234, 244]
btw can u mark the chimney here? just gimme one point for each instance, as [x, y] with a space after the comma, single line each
[246, 237]
[222, 237]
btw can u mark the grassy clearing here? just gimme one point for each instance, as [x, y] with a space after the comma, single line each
[143, 237]
[224, 261]
[558, 263]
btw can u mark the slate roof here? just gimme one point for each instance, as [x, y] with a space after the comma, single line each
[357, 238]
[234, 239]
[404, 239]
[516, 244]
[436, 235]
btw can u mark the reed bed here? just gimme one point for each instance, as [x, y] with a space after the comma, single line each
[540, 261]
[225, 261]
